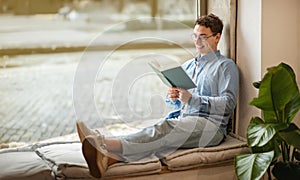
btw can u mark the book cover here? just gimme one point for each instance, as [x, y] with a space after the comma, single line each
[173, 75]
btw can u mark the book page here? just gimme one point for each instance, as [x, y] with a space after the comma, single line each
[164, 63]
[160, 75]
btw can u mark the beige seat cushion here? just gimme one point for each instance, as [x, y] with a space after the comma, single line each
[64, 160]
[146, 166]
[23, 165]
[190, 158]
[68, 163]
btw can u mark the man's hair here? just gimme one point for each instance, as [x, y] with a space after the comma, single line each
[211, 21]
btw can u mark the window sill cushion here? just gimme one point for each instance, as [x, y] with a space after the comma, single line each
[23, 166]
[183, 159]
[68, 162]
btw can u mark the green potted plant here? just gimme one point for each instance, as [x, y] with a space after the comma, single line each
[274, 140]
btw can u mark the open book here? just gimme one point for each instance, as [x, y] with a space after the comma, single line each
[172, 75]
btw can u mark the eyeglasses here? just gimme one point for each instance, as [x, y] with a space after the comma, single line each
[201, 37]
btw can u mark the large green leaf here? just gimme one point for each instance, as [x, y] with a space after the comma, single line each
[260, 133]
[291, 135]
[276, 89]
[290, 70]
[270, 116]
[264, 100]
[292, 108]
[252, 166]
[284, 86]
[272, 145]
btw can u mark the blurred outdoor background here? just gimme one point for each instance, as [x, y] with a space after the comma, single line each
[43, 43]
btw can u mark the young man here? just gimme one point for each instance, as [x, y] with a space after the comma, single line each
[201, 114]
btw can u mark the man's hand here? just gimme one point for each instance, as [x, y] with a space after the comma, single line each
[184, 95]
[179, 93]
[173, 93]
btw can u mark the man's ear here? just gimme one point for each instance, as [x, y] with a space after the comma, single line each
[218, 37]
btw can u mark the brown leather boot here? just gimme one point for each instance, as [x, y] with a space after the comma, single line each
[84, 131]
[95, 155]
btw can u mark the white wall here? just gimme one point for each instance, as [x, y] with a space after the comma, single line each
[268, 32]
[248, 59]
[280, 32]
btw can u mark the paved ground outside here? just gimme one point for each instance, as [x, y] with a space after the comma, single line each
[37, 99]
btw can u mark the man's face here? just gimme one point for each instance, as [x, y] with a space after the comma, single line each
[209, 41]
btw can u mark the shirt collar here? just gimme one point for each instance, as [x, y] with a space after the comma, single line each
[207, 57]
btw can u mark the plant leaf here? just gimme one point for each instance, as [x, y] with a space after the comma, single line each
[290, 70]
[264, 100]
[270, 116]
[284, 86]
[292, 108]
[260, 133]
[291, 135]
[252, 166]
[272, 145]
[277, 88]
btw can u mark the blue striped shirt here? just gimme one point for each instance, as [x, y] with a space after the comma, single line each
[217, 88]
